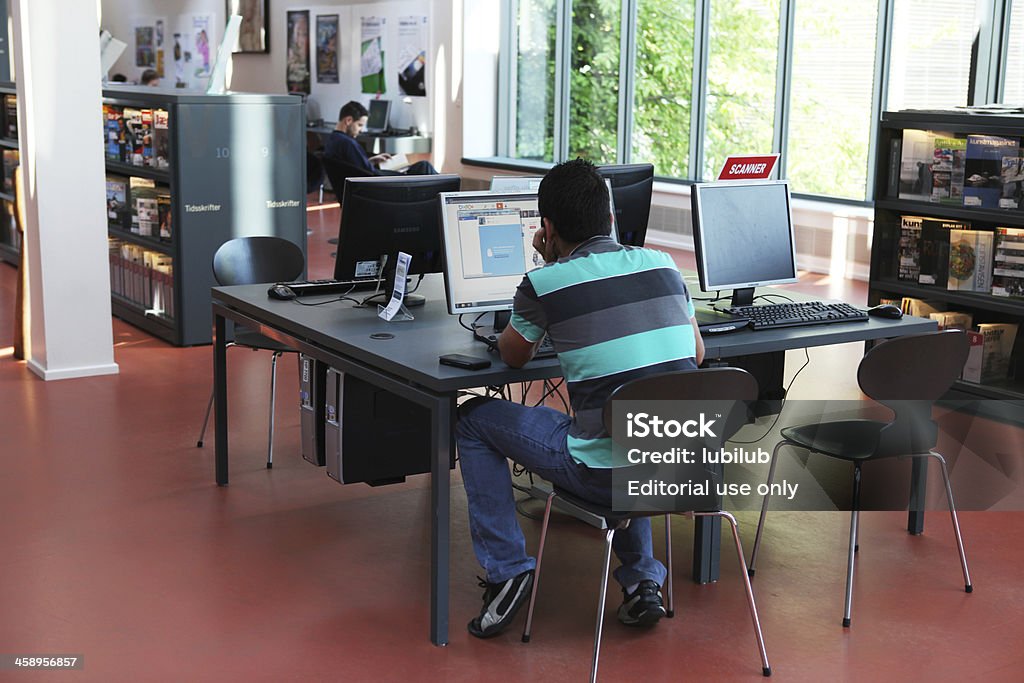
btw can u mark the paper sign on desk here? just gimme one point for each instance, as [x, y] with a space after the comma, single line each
[748, 167]
[396, 307]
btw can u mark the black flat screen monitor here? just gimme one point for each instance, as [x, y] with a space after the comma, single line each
[743, 235]
[632, 185]
[377, 120]
[384, 215]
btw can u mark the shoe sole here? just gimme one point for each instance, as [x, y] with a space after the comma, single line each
[495, 629]
[646, 618]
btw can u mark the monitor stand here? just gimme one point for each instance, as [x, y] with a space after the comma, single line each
[499, 322]
[743, 297]
[410, 300]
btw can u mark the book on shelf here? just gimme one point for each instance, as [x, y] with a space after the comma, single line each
[163, 208]
[161, 139]
[916, 158]
[948, 170]
[991, 349]
[970, 261]
[908, 249]
[132, 136]
[1008, 263]
[11, 116]
[163, 285]
[113, 133]
[117, 201]
[983, 185]
[920, 308]
[144, 137]
[1011, 177]
[11, 159]
[145, 215]
[895, 151]
[934, 249]
[953, 320]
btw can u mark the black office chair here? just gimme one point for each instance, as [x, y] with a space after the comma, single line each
[717, 384]
[907, 375]
[338, 172]
[253, 260]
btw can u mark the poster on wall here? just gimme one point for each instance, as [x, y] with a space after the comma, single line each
[144, 54]
[297, 66]
[181, 52]
[371, 54]
[202, 36]
[159, 28]
[412, 56]
[252, 36]
[327, 48]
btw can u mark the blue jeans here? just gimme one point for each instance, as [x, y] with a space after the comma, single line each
[489, 433]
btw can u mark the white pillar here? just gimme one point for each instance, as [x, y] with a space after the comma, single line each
[57, 70]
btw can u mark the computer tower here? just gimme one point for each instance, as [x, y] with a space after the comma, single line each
[372, 435]
[312, 380]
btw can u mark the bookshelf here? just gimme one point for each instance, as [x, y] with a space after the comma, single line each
[10, 240]
[898, 197]
[186, 172]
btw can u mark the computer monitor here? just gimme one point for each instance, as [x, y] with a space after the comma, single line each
[632, 185]
[377, 120]
[381, 216]
[488, 246]
[514, 183]
[743, 234]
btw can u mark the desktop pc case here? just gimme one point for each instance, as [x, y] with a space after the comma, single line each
[312, 383]
[372, 435]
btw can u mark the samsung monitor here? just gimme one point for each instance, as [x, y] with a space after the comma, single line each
[632, 185]
[380, 113]
[381, 216]
[743, 235]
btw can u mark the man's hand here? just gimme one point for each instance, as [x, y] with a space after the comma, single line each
[377, 158]
[544, 247]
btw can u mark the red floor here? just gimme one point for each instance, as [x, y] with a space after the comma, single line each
[117, 545]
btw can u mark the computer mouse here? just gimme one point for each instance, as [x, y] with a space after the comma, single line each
[280, 291]
[886, 311]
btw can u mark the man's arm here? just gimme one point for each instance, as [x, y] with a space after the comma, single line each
[698, 342]
[514, 349]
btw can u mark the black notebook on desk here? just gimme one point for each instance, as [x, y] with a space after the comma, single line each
[710, 321]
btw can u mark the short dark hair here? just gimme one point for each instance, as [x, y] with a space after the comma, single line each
[353, 109]
[148, 76]
[574, 197]
[119, 78]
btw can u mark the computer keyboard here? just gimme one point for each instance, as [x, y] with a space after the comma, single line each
[546, 348]
[771, 316]
[323, 287]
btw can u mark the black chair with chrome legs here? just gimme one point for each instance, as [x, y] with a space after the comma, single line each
[248, 261]
[717, 384]
[907, 375]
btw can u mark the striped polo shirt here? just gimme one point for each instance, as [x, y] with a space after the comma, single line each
[614, 313]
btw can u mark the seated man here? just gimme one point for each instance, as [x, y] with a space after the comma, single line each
[614, 314]
[343, 146]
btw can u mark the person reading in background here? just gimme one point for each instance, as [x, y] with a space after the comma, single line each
[343, 147]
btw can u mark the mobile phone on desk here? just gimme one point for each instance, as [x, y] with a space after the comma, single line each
[461, 360]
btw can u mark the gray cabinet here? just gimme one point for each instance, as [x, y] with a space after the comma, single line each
[225, 166]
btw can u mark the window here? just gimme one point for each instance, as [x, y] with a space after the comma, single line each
[742, 59]
[594, 80]
[1013, 88]
[931, 53]
[830, 98]
[662, 99]
[534, 80]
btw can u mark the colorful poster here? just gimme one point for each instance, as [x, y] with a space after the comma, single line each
[297, 66]
[159, 28]
[371, 54]
[327, 48]
[144, 54]
[412, 56]
[252, 35]
[203, 38]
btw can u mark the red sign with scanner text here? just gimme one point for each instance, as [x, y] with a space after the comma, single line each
[749, 167]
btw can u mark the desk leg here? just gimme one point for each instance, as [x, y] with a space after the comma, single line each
[220, 399]
[918, 488]
[440, 504]
[707, 546]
